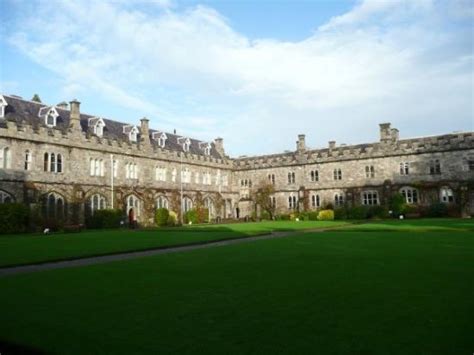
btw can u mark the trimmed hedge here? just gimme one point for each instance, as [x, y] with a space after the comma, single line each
[196, 216]
[162, 216]
[14, 218]
[108, 218]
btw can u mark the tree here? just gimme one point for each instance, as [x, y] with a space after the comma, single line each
[262, 197]
[36, 98]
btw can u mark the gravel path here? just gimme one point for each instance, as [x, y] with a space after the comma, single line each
[137, 254]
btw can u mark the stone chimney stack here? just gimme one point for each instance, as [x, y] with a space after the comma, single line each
[301, 143]
[395, 134]
[385, 132]
[332, 145]
[144, 129]
[219, 146]
[75, 115]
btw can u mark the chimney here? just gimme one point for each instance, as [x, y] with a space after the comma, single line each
[75, 115]
[395, 134]
[332, 145]
[219, 146]
[385, 133]
[144, 129]
[62, 105]
[301, 144]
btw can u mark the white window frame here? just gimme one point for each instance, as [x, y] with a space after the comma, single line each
[52, 112]
[410, 194]
[446, 195]
[3, 104]
[370, 198]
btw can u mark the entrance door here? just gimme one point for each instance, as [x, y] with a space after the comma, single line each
[237, 213]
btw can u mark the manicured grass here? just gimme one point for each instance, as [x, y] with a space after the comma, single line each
[318, 293]
[417, 225]
[23, 249]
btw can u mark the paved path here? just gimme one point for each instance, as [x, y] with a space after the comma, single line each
[137, 254]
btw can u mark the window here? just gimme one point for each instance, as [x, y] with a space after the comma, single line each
[271, 178]
[160, 174]
[3, 104]
[52, 162]
[291, 177]
[207, 149]
[162, 202]
[53, 206]
[162, 140]
[446, 195]
[206, 178]
[196, 177]
[405, 168]
[186, 175]
[338, 200]
[97, 202]
[225, 180]
[51, 116]
[370, 198]
[28, 160]
[435, 167]
[209, 205]
[5, 197]
[273, 201]
[185, 143]
[59, 164]
[369, 171]
[410, 194]
[187, 204]
[470, 165]
[131, 171]
[46, 162]
[314, 175]
[292, 203]
[133, 135]
[173, 175]
[133, 206]
[97, 167]
[315, 201]
[337, 174]
[5, 158]
[99, 128]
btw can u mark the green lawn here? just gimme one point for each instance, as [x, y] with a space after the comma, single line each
[24, 249]
[316, 293]
[417, 225]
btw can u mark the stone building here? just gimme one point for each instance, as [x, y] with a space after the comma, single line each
[67, 164]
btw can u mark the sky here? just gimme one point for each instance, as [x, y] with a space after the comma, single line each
[256, 73]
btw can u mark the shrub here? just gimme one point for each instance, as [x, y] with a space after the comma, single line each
[313, 215]
[199, 215]
[396, 204]
[283, 217]
[377, 212]
[265, 215]
[108, 218]
[437, 210]
[340, 213]
[161, 216]
[172, 218]
[326, 215]
[357, 212]
[14, 218]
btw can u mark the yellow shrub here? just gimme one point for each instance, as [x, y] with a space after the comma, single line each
[325, 215]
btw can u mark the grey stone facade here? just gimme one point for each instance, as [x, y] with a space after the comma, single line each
[440, 168]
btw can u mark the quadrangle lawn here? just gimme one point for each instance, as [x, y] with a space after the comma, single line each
[315, 293]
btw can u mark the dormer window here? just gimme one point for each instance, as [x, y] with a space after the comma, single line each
[161, 138]
[98, 125]
[132, 132]
[206, 147]
[185, 143]
[50, 117]
[3, 104]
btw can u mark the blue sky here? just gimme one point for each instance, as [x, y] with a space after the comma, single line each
[256, 73]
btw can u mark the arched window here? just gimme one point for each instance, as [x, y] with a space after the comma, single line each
[370, 198]
[52, 163]
[5, 158]
[59, 164]
[54, 206]
[28, 160]
[46, 162]
[5, 197]
[315, 201]
[162, 202]
[446, 195]
[292, 202]
[410, 194]
[209, 205]
[97, 202]
[50, 120]
[187, 204]
[338, 199]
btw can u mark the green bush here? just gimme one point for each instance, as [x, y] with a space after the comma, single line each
[172, 218]
[283, 217]
[437, 210]
[340, 213]
[196, 216]
[161, 216]
[326, 215]
[313, 215]
[264, 215]
[108, 218]
[357, 212]
[397, 204]
[14, 218]
[377, 212]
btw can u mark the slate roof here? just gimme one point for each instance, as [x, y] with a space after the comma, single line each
[25, 112]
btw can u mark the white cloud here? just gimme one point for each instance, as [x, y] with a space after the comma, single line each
[406, 65]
